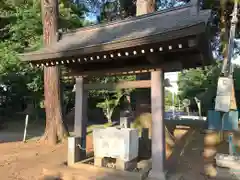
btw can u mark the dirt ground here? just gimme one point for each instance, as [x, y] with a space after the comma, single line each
[25, 161]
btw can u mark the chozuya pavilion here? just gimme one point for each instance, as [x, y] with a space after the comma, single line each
[164, 41]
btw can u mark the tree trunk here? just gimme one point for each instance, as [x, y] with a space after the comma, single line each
[54, 130]
[145, 7]
[51, 106]
[225, 25]
[224, 31]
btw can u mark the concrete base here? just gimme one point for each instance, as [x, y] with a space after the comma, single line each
[228, 161]
[120, 164]
[75, 153]
[126, 165]
[156, 175]
[98, 162]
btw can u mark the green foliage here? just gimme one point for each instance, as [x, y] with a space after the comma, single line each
[169, 102]
[202, 83]
[108, 10]
[194, 81]
[21, 31]
[109, 104]
[110, 99]
[72, 16]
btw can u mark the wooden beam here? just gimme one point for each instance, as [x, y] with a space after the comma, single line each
[122, 85]
[167, 67]
[119, 85]
[154, 58]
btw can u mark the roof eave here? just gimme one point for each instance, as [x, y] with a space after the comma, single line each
[115, 45]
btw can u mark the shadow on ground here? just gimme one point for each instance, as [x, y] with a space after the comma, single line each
[187, 162]
[13, 131]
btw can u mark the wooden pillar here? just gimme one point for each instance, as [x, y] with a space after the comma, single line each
[143, 95]
[157, 106]
[80, 124]
[158, 133]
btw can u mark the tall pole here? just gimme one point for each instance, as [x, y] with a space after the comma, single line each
[227, 68]
[143, 95]
[158, 131]
[227, 71]
[54, 129]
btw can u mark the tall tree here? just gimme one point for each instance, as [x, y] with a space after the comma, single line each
[20, 31]
[54, 121]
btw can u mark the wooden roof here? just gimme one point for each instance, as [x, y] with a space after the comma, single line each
[99, 42]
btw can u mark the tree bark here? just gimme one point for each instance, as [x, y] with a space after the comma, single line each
[224, 31]
[145, 7]
[54, 130]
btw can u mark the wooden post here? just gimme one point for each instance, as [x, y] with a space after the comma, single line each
[25, 128]
[158, 132]
[80, 125]
[143, 95]
[157, 105]
[74, 152]
[125, 118]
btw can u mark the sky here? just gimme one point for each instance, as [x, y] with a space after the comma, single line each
[173, 78]
[237, 60]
